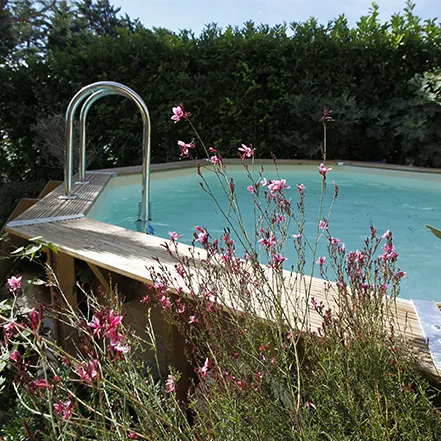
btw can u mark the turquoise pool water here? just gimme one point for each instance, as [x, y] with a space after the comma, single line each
[400, 201]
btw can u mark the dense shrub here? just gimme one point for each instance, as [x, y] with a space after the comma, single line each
[253, 84]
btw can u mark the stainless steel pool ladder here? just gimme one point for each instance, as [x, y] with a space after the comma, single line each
[94, 92]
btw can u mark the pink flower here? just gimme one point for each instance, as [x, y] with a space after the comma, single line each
[212, 150]
[15, 355]
[300, 188]
[326, 115]
[121, 348]
[297, 237]
[178, 113]
[87, 371]
[174, 236]
[277, 260]
[280, 218]
[114, 320]
[386, 234]
[160, 286]
[216, 160]
[193, 320]
[383, 288]
[264, 182]
[202, 237]
[269, 241]
[251, 189]
[165, 301]
[34, 318]
[185, 153]
[323, 224]
[278, 185]
[334, 241]
[10, 327]
[323, 169]
[401, 274]
[321, 261]
[204, 369]
[14, 283]
[96, 325]
[248, 152]
[170, 384]
[64, 409]
[41, 384]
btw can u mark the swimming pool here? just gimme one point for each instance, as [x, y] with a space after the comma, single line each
[400, 201]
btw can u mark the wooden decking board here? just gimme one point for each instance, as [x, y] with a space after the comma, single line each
[51, 206]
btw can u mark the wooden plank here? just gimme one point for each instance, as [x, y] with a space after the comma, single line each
[100, 276]
[175, 357]
[63, 266]
[51, 206]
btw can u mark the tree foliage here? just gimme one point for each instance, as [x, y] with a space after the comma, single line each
[254, 84]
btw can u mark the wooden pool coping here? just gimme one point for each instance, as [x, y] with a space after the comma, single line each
[131, 254]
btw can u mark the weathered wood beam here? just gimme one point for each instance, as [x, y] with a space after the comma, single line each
[100, 276]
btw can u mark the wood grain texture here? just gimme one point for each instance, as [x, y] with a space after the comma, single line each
[51, 206]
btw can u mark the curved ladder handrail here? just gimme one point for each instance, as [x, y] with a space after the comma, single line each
[98, 90]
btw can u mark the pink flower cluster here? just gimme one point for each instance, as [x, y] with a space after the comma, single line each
[64, 409]
[278, 185]
[88, 371]
[106, 325]
[269, 240]
[389, 253]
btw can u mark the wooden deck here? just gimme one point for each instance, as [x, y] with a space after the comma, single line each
[131, 253]
[50, 208]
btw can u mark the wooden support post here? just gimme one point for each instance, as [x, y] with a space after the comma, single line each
[175, 356]
[101, 278]
[63, 266]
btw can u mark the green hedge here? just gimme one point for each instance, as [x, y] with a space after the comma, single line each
[260, 85]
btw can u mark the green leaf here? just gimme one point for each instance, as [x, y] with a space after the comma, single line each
[4, 306]
[35, 239]
[435, 231]
[18, 250]
[52, 247]
[36, 282]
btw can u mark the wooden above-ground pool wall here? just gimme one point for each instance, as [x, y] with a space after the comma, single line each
[106, 247]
